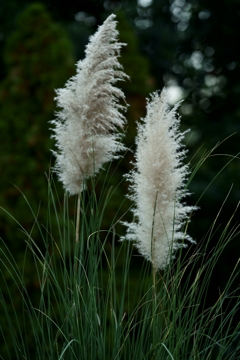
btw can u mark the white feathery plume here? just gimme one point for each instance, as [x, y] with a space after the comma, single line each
[85, 128]
[158, 184]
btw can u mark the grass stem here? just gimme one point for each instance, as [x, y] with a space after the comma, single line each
[78, 217]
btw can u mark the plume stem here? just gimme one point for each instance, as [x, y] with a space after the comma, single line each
[78, 217]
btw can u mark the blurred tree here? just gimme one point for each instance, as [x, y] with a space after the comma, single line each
[38, 58]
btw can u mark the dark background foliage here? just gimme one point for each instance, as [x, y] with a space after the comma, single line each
[190, 46]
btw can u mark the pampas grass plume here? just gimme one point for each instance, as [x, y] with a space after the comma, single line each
[86, 126]
[158, 184]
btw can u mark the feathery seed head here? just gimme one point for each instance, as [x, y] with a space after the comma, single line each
[158, 184]
[86, 125]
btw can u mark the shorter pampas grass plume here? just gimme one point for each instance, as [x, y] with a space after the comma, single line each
[158, 184]
[86, 126]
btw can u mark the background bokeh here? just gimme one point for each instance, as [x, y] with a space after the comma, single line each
[191, 47]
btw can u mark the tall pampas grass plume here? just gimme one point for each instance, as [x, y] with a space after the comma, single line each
[158, 184]
[86, 127]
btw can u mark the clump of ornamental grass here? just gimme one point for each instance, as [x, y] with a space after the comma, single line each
[158, 184]
[90, 302]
